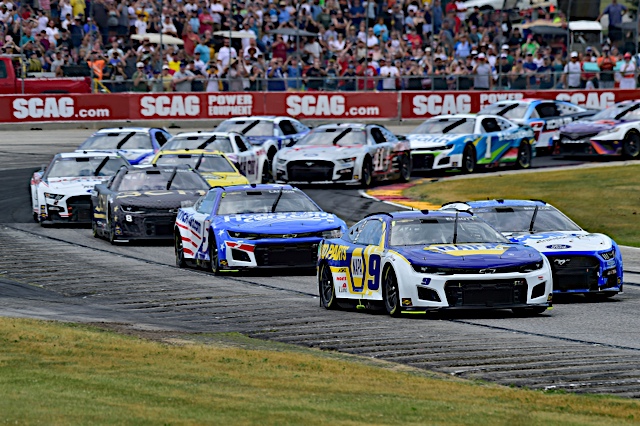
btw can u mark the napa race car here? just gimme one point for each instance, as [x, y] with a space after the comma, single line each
[419, 261]
[253, 226]
[60, 193]
[214, 166]
[345, 153]
[545, 117]
[142, 203]
[270, 132]
[137, 144]
[250, 160]
[466, 141]
[581, 262]
[613, 131]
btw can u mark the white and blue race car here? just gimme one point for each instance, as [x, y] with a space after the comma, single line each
[466, 141]
[137, 144]
[419, 261]
[253, 226]
[581, 262]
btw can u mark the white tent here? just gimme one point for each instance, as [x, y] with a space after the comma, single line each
[154, 38]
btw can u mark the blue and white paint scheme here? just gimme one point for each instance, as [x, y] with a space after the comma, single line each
[582, 262]
[253, 226]
[137, 144]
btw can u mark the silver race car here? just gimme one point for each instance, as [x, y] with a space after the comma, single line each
[346, 153]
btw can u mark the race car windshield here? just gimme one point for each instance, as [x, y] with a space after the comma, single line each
[619, 112]
[201, 163]
[210, 143]
[510, 111]
[161, 180]
[441, 230]
[239, 202]
[456, 126]
[334, 137]
[518, 219]
[247, 127]
[123, 140]
[85, 166]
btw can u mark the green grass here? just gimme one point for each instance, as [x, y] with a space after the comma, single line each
[603, 199]
[53, 373]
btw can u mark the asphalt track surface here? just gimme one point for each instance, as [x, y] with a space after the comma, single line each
[65, 274]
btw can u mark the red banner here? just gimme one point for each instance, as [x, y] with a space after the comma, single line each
[422, 105]
[347, 106]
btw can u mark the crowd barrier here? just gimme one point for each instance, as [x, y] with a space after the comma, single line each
[408, 105]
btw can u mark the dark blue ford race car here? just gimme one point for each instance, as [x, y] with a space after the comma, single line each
[253, 226]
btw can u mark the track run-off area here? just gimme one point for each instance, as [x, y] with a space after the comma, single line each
[64, 274]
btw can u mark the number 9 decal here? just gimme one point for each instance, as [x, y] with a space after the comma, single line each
[373, 272]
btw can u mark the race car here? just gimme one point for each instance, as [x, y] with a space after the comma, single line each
[214, 166]
[137, 144]
[270, 132]
[251, 161]
[466, 141]
[60, 193]
[345, 153]
[545, 117]
[142, 203]
[613, 131]
[253, 226]
[581, 262]
[419, 261]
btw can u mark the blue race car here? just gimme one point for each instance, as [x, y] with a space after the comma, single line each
[545, 117]
[613, 131]
[466, 141]
[581, 262]
[419, 261]
[253, 226]
[137, 144]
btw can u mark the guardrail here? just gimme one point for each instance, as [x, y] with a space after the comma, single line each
[347, 106]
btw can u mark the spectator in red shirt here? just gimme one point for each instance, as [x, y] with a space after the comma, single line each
[206, 21]
[365, 68]
[414, 38]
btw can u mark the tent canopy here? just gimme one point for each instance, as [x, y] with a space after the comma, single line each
[292, 32]
[235, 34]
[155, 38]
[585, 26]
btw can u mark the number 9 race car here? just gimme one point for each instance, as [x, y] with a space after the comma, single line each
[420, 261]
[345, 153]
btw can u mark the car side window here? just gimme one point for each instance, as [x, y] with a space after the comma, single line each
[354, 231]
[504, 124]
[162, 137]
[205, 204]
[490, 125]
[287, 128]
[241, 145]
[371, 233]
[565, 109]
[547, 110]
[300, 128]
[377, 135]
[389, 137]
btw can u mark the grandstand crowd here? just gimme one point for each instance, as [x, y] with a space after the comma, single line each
[345, 45]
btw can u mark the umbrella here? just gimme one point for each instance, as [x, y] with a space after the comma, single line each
[155, 38]
[235, 34]
[292, 32]
[548, 30]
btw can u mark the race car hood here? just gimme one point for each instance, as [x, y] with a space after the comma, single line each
[134, 156]
[224, 179]
[281, 223]
[320, 152]
[487, 255]
[585, 127]
[420, 141]
[558, 241]
[74, 184]
[259, 140]
[159, 199]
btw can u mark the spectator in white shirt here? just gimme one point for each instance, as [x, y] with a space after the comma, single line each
[572, 72]
[226, 53]
[168, 27]
[389, 74]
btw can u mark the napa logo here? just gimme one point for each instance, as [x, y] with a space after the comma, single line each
[467, 249]
[356, 267]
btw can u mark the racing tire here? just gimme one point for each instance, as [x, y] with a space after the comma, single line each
[35, 217]
[527, 312]
[366, 177]
[269, 164]
[524, 156]
[631, 146]
[94, 229]
[180, 262]
[214, 265]
[390, 293]
[266, 172]
[111, 236]
[405, 168]
[326, 288]
[469, 159]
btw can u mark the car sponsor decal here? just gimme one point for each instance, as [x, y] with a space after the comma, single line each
[467, 249]
[558, 247]
[334, 252]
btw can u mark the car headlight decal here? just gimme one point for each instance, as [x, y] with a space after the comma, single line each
[332, 233]
[608, 255]
[56, 197]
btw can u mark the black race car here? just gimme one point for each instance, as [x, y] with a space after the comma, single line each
[142, 203]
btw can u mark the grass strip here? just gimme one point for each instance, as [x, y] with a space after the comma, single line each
[52, 373]
[604, 199]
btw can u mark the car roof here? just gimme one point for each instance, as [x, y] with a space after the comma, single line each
[495, 203]
[126, 129]
[205, 133]
[357, 126]
[88, 153]
[157, 167]
[256, 187]
[257, 117]
[191, 152]
[418, 214]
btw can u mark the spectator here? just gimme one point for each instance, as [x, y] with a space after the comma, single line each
[544, 74]
[313, 76]
[293, 73]
[226, 54]
[275, 76]
[572, 72]
[614, 11]
[627, 73]
[503, 69]
[483, 79]
[530, 69]
[607, 64]
[183, 78]
[590, 71]
[140, 80]
[213, 78]
[517, 78]
[389, 74]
